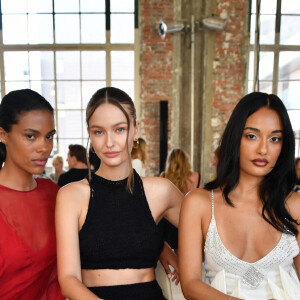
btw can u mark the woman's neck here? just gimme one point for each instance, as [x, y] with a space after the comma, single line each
[113, 173]
[17, 180]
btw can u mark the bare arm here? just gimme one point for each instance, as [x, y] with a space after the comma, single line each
[68, 210]
[293, 206]
[195, 206]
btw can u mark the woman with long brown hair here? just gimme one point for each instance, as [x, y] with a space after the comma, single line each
[108, 241]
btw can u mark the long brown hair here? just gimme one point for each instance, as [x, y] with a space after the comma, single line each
[118, 98]
[178, 168]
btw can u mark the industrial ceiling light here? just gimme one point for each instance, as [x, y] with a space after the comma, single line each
[215, 23]
[163, 29]
[212, 23]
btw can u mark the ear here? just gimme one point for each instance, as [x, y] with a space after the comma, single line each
[3, 135]
[137, 131]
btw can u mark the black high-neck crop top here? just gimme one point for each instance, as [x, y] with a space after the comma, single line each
[119, 231]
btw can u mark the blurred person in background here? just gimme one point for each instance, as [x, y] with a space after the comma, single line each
[58, 164]
[139, 156]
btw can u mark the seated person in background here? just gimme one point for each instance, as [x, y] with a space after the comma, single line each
[77, 165]
[58, 164]
[139, 156]
[178, 171]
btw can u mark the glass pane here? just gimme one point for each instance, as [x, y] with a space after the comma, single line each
[41, 65]
[122, 5]
[84, 126]
[16, 6]
[289, 67]
[122, 29]
[88, 90]
[67, 65]
[16, 65]
[16, 85]
[126, 86]
[92, 6]
[253, 6]
[40, 29]
[68, 95]
[250, 86]
[265, 87]
[122, 65]
[66, 5]
[252, 30]
[45, 88]
[251, 65]
[69, 124]
[290, 7]
[289, 32]
[267, 29]
[93, 28]
[15, 29]
[268, 6]
[288, 92]
[295, 120]
[66, 29]
[93, 65]
[40, 6]
[266, 65]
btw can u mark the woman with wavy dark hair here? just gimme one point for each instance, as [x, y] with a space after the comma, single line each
[244, 225]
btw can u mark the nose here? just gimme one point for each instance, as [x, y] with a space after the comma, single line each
[43, 145]
[109, 140]
[263, 147]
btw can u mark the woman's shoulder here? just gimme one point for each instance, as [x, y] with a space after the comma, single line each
[198, 197]
[157, 183]
[293, 205]
[197, 202]
[75, 190]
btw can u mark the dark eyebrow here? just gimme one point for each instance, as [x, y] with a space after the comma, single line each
[37, 132]
[252, 128]
[257, 130]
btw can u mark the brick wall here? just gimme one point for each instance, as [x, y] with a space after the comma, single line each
[155, 72]
[229, 64]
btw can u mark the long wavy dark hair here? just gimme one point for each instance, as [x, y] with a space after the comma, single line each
[118, 98]
[13, 105]
[276, 185]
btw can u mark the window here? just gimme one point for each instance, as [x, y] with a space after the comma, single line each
[66, 50]
[279, 55]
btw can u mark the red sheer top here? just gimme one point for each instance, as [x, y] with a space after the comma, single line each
[27, 243]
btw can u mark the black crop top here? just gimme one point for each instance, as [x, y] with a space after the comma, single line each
[119, 231]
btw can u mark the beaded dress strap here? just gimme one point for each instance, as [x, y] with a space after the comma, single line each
[212, 204]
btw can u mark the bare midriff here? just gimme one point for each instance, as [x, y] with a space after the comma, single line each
[109, 277]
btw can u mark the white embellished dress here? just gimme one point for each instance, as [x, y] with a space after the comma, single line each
[273, 276]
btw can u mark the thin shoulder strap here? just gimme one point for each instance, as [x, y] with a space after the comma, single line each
[212, 204]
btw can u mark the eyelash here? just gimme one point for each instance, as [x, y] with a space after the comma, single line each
[32, 137]
[251, 135]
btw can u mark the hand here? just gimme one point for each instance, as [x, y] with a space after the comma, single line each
[169, 258]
